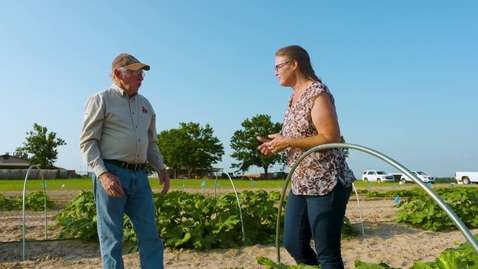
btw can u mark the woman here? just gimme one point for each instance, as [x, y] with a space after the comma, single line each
[322, 182]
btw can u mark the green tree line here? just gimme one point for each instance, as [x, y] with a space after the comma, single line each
[190, 146]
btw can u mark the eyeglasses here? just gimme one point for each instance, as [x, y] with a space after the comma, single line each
[281, 65]
[138, 73]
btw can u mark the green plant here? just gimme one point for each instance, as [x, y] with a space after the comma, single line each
[38, 201]
[348, 230]
[5, 203]
[78, 218]
[463, 256]
[423, 211]
[35, 201]
[190, 220]
[195, 221]
[394, 193]
[269, 264]
[362, 265]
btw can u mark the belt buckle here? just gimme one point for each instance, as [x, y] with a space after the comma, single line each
[135, 167]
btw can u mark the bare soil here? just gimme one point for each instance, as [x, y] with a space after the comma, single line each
[380, 240]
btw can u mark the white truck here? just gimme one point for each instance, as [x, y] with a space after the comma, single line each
[466, 177]
[421, 175]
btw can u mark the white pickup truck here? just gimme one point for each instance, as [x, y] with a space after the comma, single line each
[466, 177]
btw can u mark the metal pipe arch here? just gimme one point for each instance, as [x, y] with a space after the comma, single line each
[461, 226]
[237, 199]
[23, 204]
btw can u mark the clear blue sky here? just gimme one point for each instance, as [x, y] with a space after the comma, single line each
[404, 73]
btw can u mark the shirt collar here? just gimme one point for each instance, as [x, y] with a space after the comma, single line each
[120, 91]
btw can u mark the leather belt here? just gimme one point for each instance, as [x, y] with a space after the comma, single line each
[125, 165]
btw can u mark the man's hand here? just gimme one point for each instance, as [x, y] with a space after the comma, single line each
[111, 184]
[164, 179]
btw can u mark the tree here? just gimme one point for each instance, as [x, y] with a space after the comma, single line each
[149, 169]
[22, 155]
[43, 146]
[346, 150]
[190, 147]
[244, 144]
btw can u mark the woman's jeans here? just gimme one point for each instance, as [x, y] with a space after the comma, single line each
[137, 204]
[318, 217]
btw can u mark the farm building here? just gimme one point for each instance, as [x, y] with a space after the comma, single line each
[16, 167]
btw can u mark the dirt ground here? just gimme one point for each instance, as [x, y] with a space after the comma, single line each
[380, 240]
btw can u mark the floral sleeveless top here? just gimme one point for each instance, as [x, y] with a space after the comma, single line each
[319, 172]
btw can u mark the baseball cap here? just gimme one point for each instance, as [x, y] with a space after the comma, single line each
[128, 61]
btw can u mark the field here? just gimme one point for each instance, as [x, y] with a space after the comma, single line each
[382, 240]
[178, 184]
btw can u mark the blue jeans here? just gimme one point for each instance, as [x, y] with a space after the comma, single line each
[318, 217]
[137, 204]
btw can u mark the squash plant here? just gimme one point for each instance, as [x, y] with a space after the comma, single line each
[35, 201]
[421, 210]
[190, 220]
[78, 218]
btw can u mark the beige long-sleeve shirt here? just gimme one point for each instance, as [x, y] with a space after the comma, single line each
[118, 127]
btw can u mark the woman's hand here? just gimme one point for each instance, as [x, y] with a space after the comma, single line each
[263, 147]
[276, 143]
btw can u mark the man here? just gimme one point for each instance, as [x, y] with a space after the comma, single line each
[117, 139]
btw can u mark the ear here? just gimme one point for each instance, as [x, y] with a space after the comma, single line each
[295, 65]
[117, 73]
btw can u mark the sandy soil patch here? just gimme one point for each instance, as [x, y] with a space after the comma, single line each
[383, 241]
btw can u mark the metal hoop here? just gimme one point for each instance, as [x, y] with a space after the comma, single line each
[461, 226]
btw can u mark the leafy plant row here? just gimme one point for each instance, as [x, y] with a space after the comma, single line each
[392, 193]
[195, 221]
[35, 201]
[191, 221]
[421, 210]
